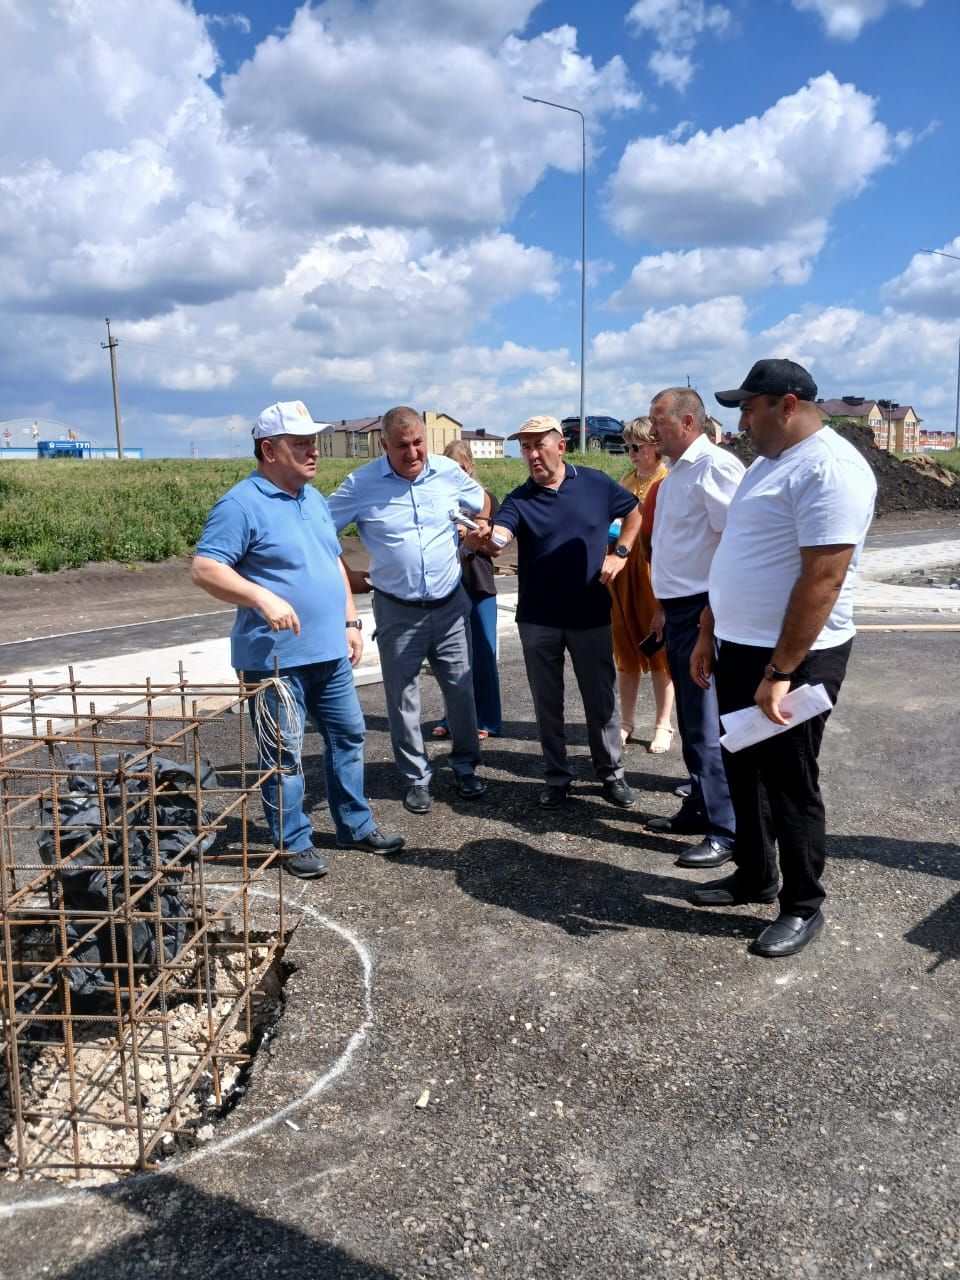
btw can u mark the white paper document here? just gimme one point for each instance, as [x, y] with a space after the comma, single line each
[748, 726]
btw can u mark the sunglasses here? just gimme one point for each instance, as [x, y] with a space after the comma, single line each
[635, 448]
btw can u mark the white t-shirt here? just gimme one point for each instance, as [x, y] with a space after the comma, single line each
[818, 493]
[692, 506]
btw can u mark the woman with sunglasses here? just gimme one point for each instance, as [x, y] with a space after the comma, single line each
[634, 605]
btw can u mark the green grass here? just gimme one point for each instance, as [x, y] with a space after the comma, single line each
[949, 458]
[61, 515]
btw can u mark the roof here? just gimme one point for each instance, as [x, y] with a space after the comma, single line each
[357, 424]
[482, 434]
[843, 409]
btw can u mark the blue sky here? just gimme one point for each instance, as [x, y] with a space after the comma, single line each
[351, 204]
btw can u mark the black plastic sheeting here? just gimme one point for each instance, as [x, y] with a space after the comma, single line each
[92, 882]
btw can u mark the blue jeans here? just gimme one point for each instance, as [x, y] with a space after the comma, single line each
[486, 677]
[699, 722]
[327, 692]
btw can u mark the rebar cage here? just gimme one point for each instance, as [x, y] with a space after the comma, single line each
[140, 923]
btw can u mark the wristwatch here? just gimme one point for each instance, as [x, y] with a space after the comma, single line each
[355, 622]
[621, 550]
[770, 672]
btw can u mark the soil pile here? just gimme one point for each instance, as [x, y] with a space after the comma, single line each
[917, 484]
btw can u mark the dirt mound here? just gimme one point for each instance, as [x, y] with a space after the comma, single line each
[918, 484]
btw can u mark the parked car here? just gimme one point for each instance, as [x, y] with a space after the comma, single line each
[602, 433]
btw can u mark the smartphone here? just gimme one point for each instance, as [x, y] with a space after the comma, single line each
[650, 645]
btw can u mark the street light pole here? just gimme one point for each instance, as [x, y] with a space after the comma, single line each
[583, 256]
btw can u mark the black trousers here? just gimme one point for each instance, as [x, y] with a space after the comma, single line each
[775, 785]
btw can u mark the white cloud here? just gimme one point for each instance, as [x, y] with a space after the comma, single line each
[930, 286]
[852, 352]
[705, 273]
[363, 289]
[706, 326]
[676, 25]
[757, 181]
[844, 19]
[350, 137]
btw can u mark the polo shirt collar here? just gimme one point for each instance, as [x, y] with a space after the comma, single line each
[570, 472]
[271, 490]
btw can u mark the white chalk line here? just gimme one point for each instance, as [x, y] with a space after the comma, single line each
[119, 626]
[176, 1163]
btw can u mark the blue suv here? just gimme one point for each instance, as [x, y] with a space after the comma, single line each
[602, 433]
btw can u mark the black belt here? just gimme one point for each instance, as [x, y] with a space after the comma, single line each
[418, 604]
[684, 602]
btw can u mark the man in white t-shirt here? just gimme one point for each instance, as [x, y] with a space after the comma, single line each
[780, 615]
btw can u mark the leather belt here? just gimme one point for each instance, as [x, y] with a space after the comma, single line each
[417, 604]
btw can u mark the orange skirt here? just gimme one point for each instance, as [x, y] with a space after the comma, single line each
[634, 605]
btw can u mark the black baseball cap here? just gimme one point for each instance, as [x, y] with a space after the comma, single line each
[772, 378]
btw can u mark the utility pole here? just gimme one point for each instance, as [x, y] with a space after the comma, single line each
[111, 345]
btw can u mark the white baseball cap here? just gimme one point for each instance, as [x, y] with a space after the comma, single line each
[288, 418]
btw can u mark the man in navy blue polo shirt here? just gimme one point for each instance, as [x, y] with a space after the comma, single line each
[561, 518]
[269, 547]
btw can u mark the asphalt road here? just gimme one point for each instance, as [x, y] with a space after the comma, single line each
[616, 1087]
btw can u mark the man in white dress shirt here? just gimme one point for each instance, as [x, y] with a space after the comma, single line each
[691, 512]
[781, 612]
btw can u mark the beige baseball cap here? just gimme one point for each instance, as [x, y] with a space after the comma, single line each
[536, 426]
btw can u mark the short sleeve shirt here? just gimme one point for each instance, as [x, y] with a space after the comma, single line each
[288, 545]
[562, 539]
[818, 493]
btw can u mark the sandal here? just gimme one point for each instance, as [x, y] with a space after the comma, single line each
[483, 733]
[662, 740]
[440, 731]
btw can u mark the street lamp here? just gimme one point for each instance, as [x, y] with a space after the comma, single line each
[956, 416]
[583, 254]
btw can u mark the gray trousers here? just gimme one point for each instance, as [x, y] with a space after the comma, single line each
[406, 635]
[592, 655]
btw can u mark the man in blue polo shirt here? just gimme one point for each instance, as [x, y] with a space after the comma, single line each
[269, 547]
[405, 506]
[561, 519]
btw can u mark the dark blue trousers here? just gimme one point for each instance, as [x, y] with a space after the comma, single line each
[699, 722]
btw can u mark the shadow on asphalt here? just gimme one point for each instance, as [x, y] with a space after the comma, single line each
[578, 895]
[939, 932]
[192, 1235]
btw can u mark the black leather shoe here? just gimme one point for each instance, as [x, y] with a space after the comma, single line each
[617, 792]
[787, 935]
[708, 853]
[553, 797]
[681, 824]
[376, 841]
[417, 800]
[470, 786]
[731, 892]
[306, 864]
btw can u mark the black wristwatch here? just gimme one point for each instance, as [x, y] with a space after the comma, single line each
[621, 550]
[770, 672]
[355, 622]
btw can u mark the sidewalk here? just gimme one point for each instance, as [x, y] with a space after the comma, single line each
[208, 662]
